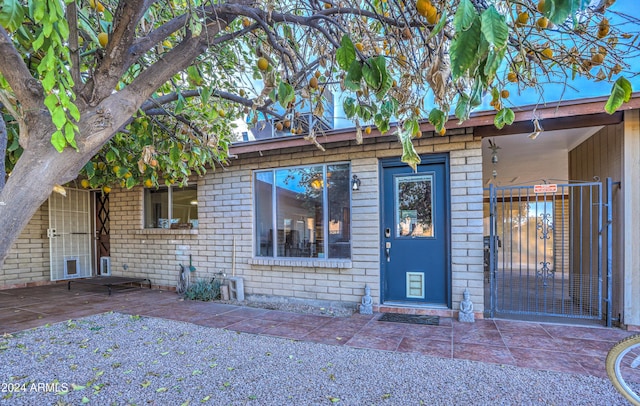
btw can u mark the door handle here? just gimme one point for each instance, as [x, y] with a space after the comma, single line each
[387, 250]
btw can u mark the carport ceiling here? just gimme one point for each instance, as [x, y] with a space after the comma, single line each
[523, 161]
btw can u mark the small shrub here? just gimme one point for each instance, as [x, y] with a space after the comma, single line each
[203, 289]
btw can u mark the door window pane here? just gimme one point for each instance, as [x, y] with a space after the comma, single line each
[414, 206]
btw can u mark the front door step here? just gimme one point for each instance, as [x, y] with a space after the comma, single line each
[418, 310]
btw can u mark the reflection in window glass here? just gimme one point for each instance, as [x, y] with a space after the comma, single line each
[414, 203]
[171, 208]
[338, 187]
[264, 213]
[299, 202]
[312, 212]
[156, 208]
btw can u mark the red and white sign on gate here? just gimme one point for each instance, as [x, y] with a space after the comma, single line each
[547, 188]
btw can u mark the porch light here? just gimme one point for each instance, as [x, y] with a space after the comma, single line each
[355, 183]
[194, 202]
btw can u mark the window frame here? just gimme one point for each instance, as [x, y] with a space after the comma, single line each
[170, 204]
[325, 214]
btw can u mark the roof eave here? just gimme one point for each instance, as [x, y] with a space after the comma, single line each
[559, 115]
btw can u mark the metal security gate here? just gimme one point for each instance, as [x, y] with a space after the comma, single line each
[547, 253]
[70, 235]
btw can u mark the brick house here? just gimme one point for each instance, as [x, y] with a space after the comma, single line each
[298, 223]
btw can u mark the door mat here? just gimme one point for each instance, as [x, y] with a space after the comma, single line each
[411, 319]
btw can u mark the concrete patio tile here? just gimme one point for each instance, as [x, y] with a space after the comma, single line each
[525, 344]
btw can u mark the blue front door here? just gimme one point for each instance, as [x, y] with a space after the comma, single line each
[415, 260]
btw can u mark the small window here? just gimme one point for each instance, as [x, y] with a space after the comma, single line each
[303, 212]
[414, 205]
[175, 208]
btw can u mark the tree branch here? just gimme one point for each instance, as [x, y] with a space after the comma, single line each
[28, 90]
[176, 60]
[110, 69]
[74, 50]
[144, 44]
[171, 97]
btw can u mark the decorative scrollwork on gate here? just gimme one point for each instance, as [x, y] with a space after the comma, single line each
[545, 226]
[544, 273]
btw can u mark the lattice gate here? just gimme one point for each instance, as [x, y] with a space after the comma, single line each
[547, 254]
[103, 246]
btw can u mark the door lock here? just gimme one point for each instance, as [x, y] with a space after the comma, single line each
[387, 250]
[387, 232]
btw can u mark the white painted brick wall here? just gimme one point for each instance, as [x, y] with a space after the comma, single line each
[28, 260]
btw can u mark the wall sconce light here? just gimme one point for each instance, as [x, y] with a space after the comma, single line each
[355, 183]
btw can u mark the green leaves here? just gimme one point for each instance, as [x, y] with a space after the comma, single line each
[504, 117]
[193, 76]
[409, 154]
[286, 94]
[480, 40]
[494, 28]
[463, 108]
[558, 10]
[620, 93]
[346, 53]
[174, 154]
[376, 76]
[11, 15]
[465, 16]
[464, 46]
[437, 118]
[349, 106]
[354, 76]
[371, 72]
[53, 68]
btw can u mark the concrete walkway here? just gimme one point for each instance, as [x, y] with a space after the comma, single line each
[543, 346]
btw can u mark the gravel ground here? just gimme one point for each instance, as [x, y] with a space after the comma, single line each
[124, 360]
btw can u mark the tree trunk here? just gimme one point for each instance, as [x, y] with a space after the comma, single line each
[4, 137]
[41, 167]
[30, 185]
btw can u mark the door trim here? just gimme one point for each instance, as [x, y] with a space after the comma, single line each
[384, 163]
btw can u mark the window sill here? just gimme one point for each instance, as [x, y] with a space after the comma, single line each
[304, 263]
[166, 231]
